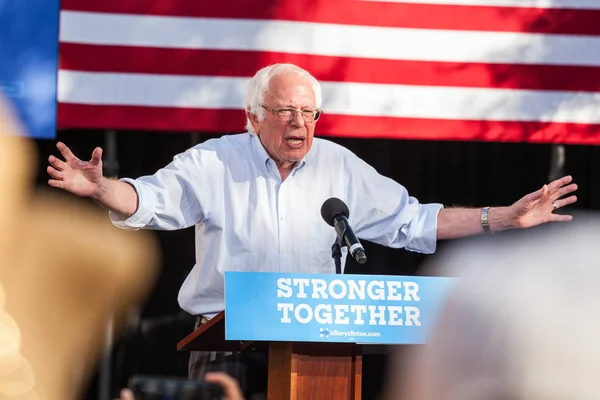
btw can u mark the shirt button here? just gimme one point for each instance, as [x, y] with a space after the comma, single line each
[281, 218]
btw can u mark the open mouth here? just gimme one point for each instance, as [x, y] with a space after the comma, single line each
[294, 141]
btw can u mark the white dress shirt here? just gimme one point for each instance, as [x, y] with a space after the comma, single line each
[247, 219]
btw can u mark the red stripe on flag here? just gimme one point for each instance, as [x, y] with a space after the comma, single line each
[92, 58]
[150, 118]
[353, 12]
[231, 121]
[461, 130]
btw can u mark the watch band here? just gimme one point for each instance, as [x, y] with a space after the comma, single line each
[484, 220]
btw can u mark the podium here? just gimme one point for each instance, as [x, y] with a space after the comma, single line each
[316, 327]
[297, 370]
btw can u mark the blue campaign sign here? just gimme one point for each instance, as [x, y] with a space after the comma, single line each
[332, 308]
[28, 62]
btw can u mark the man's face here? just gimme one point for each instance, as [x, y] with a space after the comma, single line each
[286, 141]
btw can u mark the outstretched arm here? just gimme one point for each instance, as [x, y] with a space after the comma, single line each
[84, 178]
[533, 209]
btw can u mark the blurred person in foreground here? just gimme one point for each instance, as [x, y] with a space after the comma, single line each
[65, 272]
[255, 199]
[522, 322]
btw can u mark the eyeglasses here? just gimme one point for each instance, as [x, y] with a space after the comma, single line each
[288, 114]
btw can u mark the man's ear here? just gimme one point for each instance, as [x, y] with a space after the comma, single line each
[253, 120]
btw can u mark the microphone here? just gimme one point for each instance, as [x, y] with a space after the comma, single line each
[335, 212]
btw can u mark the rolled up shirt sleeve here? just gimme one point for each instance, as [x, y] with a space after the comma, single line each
[383, 212]
[421, 231]
[145, 209]
[406, 224]
[171, 198]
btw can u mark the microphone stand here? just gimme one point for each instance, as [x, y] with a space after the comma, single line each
[336, 253]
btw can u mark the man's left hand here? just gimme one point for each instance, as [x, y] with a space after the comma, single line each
[538, 207]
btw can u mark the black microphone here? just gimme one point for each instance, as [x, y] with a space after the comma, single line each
[335, 212]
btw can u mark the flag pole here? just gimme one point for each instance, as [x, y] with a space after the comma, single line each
[557, 162]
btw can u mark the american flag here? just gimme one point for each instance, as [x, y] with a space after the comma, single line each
[492, 70]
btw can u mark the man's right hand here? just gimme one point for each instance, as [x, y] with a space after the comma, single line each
[82, 178]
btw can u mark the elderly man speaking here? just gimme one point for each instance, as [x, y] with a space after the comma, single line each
[255, 199]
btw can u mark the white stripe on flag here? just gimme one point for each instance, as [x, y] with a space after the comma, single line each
[338, 98]
[151, 90]
[570, 4]
[329, 39]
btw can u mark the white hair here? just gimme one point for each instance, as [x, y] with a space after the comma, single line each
[259, 84]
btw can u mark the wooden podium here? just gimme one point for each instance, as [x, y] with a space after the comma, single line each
[297, 370]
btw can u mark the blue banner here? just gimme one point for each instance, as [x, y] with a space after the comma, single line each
[332, 308]
[28, 62]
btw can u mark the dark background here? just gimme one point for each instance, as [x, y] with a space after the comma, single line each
[452, 173]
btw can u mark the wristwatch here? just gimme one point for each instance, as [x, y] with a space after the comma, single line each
[484, 220]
